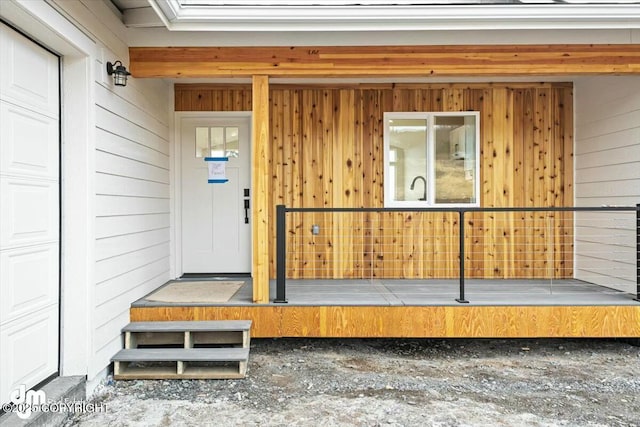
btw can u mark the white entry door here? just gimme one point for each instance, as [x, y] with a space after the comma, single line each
[216, 228]
[29, 212]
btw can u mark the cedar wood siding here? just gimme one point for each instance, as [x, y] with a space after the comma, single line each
[327, 151]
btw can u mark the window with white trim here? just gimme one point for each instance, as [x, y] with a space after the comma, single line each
[431, 159]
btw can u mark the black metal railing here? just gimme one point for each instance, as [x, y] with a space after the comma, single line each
[566, 234]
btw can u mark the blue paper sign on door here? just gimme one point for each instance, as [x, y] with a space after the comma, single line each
[217, 169]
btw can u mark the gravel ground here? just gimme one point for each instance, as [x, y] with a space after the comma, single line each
[367, 382]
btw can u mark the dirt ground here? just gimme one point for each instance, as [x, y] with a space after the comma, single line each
[366, 382]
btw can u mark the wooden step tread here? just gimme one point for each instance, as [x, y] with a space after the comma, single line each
[182, 354]
[183, 326]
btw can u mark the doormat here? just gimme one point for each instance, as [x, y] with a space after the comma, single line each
[200, 292]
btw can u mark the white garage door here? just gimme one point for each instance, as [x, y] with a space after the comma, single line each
[29, 212]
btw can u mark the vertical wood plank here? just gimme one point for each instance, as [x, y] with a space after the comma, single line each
[201, 100]
[285, 173]
[357, 194]
[488, 153]
[344, 141]
[475, 223]
[567, 171]
[528, 144]
[260, 180]
[278, 169]
[519, 231]
[296, 172]
[555, 190]
[508, 251]
[542, 181]
[182, 100]
[309, 175]
[325, 152]
[217, 100]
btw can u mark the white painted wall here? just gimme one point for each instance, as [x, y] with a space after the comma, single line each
[132, 204]
[131, 183]
[115, 178]
[607, 165]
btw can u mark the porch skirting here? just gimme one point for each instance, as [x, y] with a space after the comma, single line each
[270, 321]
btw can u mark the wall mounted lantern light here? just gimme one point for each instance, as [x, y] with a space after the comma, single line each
[119, 73]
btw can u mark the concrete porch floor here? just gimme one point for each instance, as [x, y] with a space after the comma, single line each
[429, 292]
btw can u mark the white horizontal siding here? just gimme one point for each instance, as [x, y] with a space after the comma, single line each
[112, 226]
[620, 255]
[607, 200]
[125, 244]
[607, 165]
[611, 156]
[619, 187]
[606, 173]
[118, 266]
[144, 117]
[609, 220]
[116, 144]
[110, 314]
[124, 205]
[111, 164]
[605, 278]
[606, 271]
[616, 101]
[132, 204]
[600, 143]
[113, 313]
[623, 239]
[121, 124]
[111, 343]
[610, 125]
[113, 289]
[113, 185]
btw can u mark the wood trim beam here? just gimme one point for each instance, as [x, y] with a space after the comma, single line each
[183, 87]
[385, 61]
[260, 187]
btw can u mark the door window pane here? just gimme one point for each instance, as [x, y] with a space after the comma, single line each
[217, 142]
[232, 142]
[202, 142]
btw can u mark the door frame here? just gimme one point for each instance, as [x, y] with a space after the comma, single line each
[176, 269]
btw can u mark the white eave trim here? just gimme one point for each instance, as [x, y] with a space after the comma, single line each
[185, 17]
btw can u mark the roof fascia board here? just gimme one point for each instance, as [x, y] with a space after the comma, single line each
[397, 18]
[164, 15]
[170, 9]
[145, 17]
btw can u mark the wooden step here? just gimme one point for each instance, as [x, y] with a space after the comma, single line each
[192, 361]
[188, 333]
[181, 363]
[183, 354]
[182, 326]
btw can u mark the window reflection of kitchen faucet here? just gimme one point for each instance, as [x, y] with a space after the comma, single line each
[413, 184]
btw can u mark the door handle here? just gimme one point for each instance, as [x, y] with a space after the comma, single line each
[246, 211]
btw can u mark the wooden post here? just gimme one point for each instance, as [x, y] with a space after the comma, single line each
[260, 183]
